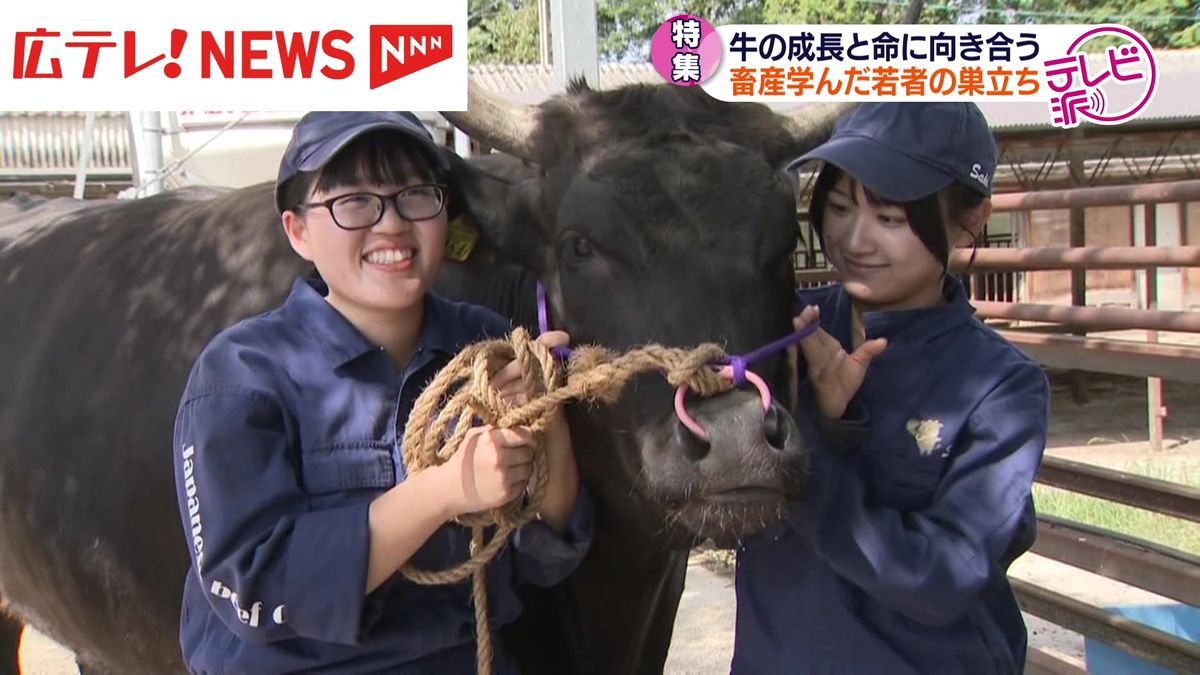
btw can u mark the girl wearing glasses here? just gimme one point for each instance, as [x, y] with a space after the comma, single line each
[295, 501]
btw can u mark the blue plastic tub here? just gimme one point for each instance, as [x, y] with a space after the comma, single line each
[1180, 620]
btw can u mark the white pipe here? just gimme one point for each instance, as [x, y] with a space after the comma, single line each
[85, 154]
[573, 33]
[462, 143]
[150, 159]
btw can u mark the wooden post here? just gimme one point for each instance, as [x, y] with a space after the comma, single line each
[1155, 412]
[1077, 237]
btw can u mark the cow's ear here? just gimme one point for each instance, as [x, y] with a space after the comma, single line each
[499, 195]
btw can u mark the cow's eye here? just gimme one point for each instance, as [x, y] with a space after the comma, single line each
[582, 248]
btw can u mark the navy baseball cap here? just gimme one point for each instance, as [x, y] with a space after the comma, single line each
[906, 151]
[320, 135]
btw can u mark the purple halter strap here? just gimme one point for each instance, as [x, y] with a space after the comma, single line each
[544, 322]
[739, 364]
[734, 367]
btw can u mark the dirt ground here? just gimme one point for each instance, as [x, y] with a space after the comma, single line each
[1109, 429]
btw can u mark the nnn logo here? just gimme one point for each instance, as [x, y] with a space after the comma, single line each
[397, 51]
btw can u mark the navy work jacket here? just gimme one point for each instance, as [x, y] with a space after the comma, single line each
[290, 425]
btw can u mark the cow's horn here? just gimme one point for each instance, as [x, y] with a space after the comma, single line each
[494, 121]
[812, 125]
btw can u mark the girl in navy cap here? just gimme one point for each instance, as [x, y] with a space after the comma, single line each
[934, 425]
[295, 500]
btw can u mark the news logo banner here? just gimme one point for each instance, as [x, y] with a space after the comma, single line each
[1049, 64]
[353, 55]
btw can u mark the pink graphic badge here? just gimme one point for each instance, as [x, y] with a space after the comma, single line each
[1109, 90]
[686, 50]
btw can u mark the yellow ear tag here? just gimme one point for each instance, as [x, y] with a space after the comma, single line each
[461, 238]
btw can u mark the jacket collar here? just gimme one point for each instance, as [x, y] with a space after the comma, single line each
[910, 327]
[340, 341]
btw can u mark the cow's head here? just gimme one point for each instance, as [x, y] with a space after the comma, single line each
[656, 214]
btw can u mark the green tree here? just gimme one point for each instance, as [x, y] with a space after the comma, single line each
[1164, 23]
[626, 26]
[503, 31]
[853, 12]
[508, 31]
[727, 11]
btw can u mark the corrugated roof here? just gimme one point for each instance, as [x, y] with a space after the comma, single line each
[48, 143]
[532, 83]
[1177, 96]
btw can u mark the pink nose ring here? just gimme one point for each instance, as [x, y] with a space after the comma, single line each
[726, 371]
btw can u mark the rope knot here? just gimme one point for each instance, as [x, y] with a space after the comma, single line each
[693, 368]
[463, 393]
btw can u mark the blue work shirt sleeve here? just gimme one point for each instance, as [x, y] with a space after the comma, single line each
[930, 564]
[270, 567]
[545, 557]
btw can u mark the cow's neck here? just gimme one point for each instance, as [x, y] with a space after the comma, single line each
[615, 614]
[505, 289]
[629, 591]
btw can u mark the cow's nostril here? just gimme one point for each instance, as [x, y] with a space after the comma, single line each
[696, 448]
[774, 428]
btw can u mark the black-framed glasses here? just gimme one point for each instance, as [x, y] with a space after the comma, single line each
[359, 210]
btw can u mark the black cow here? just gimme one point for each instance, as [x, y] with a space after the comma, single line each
[651, 214]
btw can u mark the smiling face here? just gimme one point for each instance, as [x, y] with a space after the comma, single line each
[882, 261]
[385, 267]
